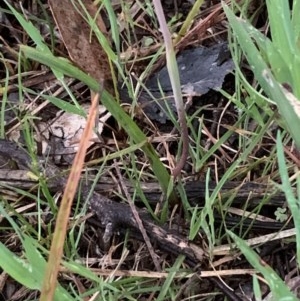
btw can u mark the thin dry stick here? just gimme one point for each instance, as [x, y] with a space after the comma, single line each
[138, 220]
[56, 250]
[175, 82]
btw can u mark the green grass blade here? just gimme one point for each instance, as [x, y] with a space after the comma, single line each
[113, 24]
[256, 289]
[17, 268]
[189, 20]
[288, 191]
[279, 289]
[172, 273]
[34, 35]
[27, 272]
[281, 28]
[65, 105]
[271, 54]
[30, 29]
[38, 265]
[295, 21]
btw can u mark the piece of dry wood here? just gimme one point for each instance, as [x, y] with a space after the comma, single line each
[250, 192]
[113, 216]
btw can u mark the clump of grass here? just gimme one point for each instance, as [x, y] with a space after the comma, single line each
[275, 62]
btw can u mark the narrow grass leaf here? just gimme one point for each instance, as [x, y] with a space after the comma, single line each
[295, 21]
[172, 273]
[38, 264]
[82, 271]
[256, 289]
[34, 257]
[200, 221]
[189, 20]
[288, 191]
[29, 28]
[271, 54]
[281, 28]
[18, 268]
[278, 288]
[26, 273]
[4, 98]
[65, 106]
[114, 27]
[34, 35]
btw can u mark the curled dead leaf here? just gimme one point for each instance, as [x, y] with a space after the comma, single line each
[83, 47]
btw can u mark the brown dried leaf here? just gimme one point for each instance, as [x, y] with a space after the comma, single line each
[84, 50]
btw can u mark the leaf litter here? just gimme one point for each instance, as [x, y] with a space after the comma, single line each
[200, 75]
